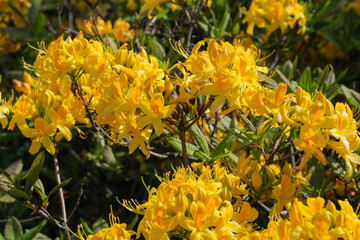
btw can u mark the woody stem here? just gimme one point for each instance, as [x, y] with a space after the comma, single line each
[182, 130]
[61, 195]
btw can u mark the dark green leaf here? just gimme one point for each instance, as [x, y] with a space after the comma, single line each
[17, 33]
[199, 138]
[38, 25]
[13, 229]
[19, 194]
[322, 78]
[226, 142]
[62, 184]
[99, 224]
[190, 148]
[133, 223]
[86, 227]
[31, 233]
[285, 80]
[305, 80]
[34, 11]
[34, 171]
[317, 174]
[293, 69]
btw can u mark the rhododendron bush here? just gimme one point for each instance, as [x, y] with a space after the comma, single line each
[180, 119]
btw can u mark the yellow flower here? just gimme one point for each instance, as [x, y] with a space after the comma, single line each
[155, 111]
[275, 14]
[99, 27]
[191, 204]
[117, 231]
[5, 108]
[40, 135]
[122, 29]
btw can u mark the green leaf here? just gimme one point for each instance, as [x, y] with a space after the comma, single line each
[34, 172]
[6, 180]
[133, 223]
[62, 184]
[41, 236]
[305, 80]
[293, 69]
[17, 33]
[349, 96]
[2, 237]
[199, 138]
[34, 11]
[317, 174]
[15, 168]
[224, 22]
[285, 80]
[31, 233]
[336, 167]
[38, 25]
[286, 68]
[86, 227]
[226, 142]
[13, 229]
[99, 224]
[5, 198]
[248, 123]
[156, 48]
[18, 194]
[322, 78]
[191, 149]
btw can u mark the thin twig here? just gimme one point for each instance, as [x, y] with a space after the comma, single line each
[286, 157]
[81, 191]
[61, 196]
[182, 130]
[22, 220]
[274, 151]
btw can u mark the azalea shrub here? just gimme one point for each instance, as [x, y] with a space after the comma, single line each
[182, 119]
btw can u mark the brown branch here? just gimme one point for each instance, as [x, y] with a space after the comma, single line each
[61, 195]
[81, 191]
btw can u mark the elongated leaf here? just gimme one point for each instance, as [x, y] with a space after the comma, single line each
[226, 142]
[62, 184]
[317, 177]
[199, 138]
[322, 78]
[5, 178]
[190, 148]
[13, 229]
[285, 80]
[17, 193]
[86, 227]
[31, 233]
[39, 24]
[34, 171]
[293, 69]
[248, 123]
[133, 223]
[305, 80]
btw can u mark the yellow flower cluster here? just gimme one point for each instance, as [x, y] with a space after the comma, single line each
[223, 70]
[117, 231]
[320, 124]
[266, 180]
[127, 90]
[196, 205]
[149, 5]
[274, 14]
[9, 15]
[313, 222]
[121, 29]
